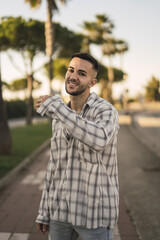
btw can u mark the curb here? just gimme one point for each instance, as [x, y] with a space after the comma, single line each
[12, 174]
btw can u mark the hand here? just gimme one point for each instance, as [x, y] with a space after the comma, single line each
[42, 228]
[40, 100]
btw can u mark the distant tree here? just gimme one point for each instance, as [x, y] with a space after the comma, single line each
[61, 66]
[100, 32]
[66, 44]
[21, 84]
[152, 89]
[49, 29]
[27, 38]
[103, 79]
[5, 136]
[24, 38]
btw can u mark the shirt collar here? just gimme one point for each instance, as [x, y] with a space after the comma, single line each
[91, 99]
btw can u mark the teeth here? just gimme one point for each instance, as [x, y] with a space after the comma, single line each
[72, 83]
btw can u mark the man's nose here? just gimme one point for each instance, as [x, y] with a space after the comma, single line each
[74, 75]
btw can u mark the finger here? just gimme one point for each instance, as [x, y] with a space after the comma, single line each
[45, 97]
[39, 100]
[45, 228]
[39, 227]
[38, 104]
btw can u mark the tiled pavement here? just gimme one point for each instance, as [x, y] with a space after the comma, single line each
[19, 203]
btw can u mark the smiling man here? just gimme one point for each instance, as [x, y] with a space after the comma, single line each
[80, 196]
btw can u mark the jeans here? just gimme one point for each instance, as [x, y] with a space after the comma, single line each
[66, 231]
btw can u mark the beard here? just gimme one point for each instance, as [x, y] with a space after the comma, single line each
[79, 91]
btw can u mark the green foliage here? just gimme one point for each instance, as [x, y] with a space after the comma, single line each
[18, 84]
[25, 140]
[61, 66]
[22, 35]
[34, 3]
[100, 32]
[67, 42]
[103, 74]
[16, 109]
[152, 90]
[22, 84]
[28, 36]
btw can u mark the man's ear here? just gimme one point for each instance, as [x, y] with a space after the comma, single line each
[93, 82]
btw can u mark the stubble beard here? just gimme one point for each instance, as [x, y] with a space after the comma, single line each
[80, 90]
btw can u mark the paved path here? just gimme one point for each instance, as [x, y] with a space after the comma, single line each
[139, 187]
[139, 175]
[21, 121]
[147, 126]
[20, 200]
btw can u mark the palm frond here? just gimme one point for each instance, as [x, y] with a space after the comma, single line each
[34, 3]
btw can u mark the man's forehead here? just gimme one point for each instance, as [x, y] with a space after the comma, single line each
[80, 64]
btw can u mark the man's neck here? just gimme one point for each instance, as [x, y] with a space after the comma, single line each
[77, 102]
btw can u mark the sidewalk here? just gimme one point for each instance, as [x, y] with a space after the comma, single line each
[22, 121]
[19, 204]
[20, 200]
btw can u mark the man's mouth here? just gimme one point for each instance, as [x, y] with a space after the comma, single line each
[72, 83]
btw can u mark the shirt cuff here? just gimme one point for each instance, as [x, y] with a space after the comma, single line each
[42, 219]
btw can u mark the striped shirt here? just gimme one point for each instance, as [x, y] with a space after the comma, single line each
[81, 182]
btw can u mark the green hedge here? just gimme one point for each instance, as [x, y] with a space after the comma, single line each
[16, 109]
[25, 140]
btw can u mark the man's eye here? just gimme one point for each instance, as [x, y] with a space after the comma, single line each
[70, 70]
[82, 74]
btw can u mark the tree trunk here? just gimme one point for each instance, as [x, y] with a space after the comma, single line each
[50, 73]
[49, 37]
[30, 100]
[5, 136]
[110, 81]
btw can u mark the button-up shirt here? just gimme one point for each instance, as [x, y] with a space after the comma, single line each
[81, 182]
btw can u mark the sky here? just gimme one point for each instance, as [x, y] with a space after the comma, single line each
[136, 22]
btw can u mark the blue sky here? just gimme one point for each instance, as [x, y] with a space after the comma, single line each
[136, 21]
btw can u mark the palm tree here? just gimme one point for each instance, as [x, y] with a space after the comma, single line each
[122, 47]
[49, 29]
[100, 32]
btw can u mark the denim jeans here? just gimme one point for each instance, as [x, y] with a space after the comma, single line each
[66, 231]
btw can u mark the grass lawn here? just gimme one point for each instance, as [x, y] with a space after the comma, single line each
[25, 140]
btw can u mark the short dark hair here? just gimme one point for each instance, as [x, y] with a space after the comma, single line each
[87, 57]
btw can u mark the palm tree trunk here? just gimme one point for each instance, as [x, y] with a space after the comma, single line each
[110, 81]
[5, 136]
[49, 40]
[50, 73]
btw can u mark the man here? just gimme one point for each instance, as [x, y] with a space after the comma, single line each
[80, 195]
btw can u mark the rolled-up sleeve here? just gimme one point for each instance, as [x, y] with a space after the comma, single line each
[96, 134]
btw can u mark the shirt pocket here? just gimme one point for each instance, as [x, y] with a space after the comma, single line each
[87, 154]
